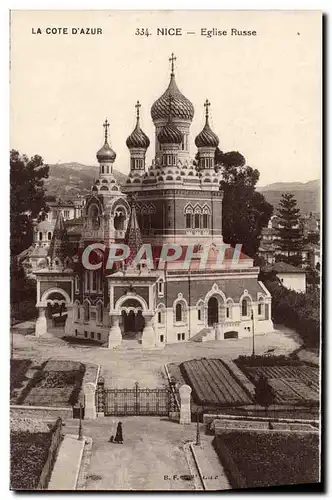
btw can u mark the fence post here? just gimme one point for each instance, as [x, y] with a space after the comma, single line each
[90, 400]
[100, 396]
[185, 412]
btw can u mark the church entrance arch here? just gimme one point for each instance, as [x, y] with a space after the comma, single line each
[213, 311]
[54, 312]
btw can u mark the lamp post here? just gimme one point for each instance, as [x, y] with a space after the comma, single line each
[253, 332]
[198, 434]
[80, 430]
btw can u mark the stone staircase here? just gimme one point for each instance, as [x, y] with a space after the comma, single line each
[128, 344]
[204, 335]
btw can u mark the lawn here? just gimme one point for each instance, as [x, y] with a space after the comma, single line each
[254, 459]
[213, 384]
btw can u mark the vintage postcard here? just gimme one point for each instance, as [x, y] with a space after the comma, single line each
[165, 250]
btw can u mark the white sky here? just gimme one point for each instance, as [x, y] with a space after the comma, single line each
[265, 91]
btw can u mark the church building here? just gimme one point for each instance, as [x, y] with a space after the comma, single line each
[176, 200]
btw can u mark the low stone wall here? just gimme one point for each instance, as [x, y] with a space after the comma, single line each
[43, 412]
[263, 420]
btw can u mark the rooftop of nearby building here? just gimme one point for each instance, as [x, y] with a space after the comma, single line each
[284, 267]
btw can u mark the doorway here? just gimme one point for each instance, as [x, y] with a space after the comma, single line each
[213, 311]
[132, 324]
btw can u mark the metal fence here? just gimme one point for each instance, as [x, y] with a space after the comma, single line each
[135, 401]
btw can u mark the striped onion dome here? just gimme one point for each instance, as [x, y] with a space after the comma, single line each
[138, 139]
[182, 107]
[207, 138]
[170, 134]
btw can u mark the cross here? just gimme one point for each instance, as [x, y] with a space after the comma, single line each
[137, 106]
[207, 104]
[171, 60]
[106, 125]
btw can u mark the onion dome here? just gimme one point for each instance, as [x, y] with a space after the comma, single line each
[207, 138]
[106, 153]
[138, 139]
[170, 134]
[182, 108]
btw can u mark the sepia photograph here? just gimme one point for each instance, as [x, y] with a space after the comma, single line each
[165, 250]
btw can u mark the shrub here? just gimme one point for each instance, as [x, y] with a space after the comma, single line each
[28, 454]
[300, 311]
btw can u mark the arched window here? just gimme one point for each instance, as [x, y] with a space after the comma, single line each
[40, 236]
[200, 311]
[119, 219]
[77, 311]
[49, 235]
[86, 311]
[260, 306]
[160, 288]
[99, 313]
[197, 217]
[178, 312]
[161, 313]
[94, 217]
[77, 284]
[229, 305]
[188, 211]
[245, 307]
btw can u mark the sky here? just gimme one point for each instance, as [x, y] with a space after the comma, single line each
[265, 90]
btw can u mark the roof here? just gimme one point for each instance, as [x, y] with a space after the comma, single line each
[283, 267]
[58, 246]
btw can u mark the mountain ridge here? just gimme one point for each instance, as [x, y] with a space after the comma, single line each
[68, 180]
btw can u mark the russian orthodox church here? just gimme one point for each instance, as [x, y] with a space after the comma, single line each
[175, 200]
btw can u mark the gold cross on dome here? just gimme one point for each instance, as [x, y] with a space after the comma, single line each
[206, 105]
[171, 60]
[106, 125]
[137, 106]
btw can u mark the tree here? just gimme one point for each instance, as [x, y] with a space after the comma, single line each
[27, 198]
[289, 240]
[245, 211]
[264, 395]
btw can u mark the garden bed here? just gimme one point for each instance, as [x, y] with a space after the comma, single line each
[213, 383]
[18, 369]
[292, 381]
[254, 459]
[33, 449]
[57, 383]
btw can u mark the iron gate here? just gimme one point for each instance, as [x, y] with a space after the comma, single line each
[134, 401]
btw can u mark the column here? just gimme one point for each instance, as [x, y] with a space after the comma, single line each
[185, 411]
[89, 390]
[114, 337]
[41, 323]
[69, 320]
[148, 336]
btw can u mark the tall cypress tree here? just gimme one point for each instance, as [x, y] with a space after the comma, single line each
[290, 237]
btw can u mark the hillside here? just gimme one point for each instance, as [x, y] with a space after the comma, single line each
[307, 194]
[67, 180]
